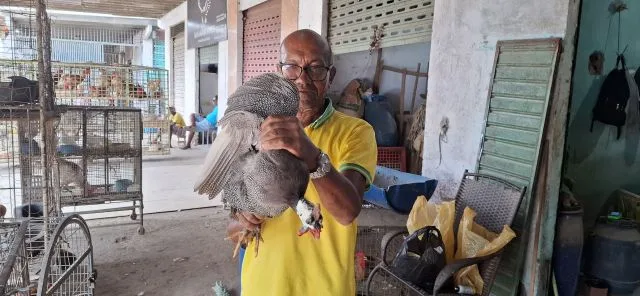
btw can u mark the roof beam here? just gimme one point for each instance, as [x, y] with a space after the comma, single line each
[144, 9]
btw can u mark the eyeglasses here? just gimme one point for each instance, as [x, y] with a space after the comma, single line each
[292, 72]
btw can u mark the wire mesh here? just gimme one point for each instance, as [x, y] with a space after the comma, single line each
[68, 262]
[156, 137]
[368, 252]
[20, 162]
[73, 42]
[14, 275]
[99, 155]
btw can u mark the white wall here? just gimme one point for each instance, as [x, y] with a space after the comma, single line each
[464, 38]
[363, 65]
[246, 4]
[174, 17]
[313, 14]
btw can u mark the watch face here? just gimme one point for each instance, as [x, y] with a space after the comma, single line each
[324, 161]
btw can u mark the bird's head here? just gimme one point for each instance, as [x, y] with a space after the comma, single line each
[311, 218]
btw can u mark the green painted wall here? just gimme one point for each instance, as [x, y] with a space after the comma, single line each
[597, 161]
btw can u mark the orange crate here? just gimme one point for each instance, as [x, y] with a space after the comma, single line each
[393, 158]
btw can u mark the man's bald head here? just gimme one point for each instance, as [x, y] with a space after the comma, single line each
[309, 38]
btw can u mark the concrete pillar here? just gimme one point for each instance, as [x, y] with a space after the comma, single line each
[289, 17]
[313, 15]
[234, 47]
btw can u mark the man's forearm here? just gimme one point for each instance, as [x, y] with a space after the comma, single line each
[339, 194]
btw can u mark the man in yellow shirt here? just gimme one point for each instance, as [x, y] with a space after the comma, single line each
[177, 123]
[340, 152]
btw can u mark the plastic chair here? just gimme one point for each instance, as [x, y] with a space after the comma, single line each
[496, 203]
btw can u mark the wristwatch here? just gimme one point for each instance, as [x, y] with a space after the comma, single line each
[324, 166]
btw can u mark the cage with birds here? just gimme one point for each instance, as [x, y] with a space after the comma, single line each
[25, 157]
[99, 157]
[156, 137]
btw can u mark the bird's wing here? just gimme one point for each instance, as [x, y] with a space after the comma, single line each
[239, 131]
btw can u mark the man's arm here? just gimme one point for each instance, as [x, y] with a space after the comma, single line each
[340, 193]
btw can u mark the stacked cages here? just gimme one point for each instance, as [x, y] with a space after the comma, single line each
[110, 86]
[27, 236]
[99, 158]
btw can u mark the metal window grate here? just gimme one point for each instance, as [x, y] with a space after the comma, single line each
[352, 23]
[71, 42]
[158, 54]
[208, 55]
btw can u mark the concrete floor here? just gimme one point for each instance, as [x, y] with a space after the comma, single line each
[182, 253]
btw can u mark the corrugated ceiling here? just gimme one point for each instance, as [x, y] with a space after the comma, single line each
[132, 8]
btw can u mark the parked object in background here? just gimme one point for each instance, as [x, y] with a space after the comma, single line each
[415, 137]
[398, 191]
[400, 112]
[351, 102]
[19, 90]
[483, 193]
[596, 63]
[595, 287]
[613, 255]
[378, 113]
[610, 108]
[624, 202]
[393, 158]
[568, 242]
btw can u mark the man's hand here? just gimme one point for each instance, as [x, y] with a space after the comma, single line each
[248, 220]
[279, 132]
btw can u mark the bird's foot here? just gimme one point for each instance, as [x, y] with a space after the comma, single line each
[258, 237]
[241, 235]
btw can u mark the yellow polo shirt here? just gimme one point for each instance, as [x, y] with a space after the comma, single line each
[177, 119]
[303, 266]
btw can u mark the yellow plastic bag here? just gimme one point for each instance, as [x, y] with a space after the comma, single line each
[425, 213]
[476, 241]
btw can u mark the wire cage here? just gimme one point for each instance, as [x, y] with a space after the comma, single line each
[72, 41]
[99, 157]
[100, 85]
[368, 254]
[67, 263]
[156, 137]
[14, 273]
[21, 171]
[25, 151]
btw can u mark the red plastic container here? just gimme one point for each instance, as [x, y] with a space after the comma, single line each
[393, 158]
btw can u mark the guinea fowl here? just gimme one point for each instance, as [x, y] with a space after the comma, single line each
[265, 183]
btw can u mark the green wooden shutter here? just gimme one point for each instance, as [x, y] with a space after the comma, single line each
[521, 85]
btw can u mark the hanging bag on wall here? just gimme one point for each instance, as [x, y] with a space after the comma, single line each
[612, 100]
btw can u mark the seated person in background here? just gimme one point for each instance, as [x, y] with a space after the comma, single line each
[202, 124]
[177, 123]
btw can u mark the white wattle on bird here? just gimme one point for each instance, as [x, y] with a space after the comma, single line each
[265, 183]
